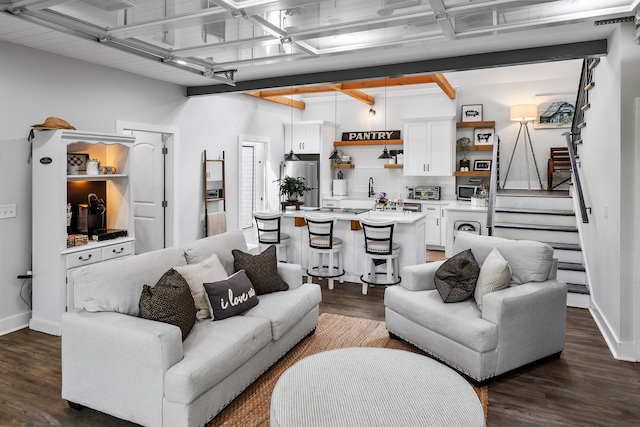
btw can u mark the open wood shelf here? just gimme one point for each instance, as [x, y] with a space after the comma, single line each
[478, 148]
[393, 166]
[473, 173]
[488, 124]
[369, 142]
[342, 166]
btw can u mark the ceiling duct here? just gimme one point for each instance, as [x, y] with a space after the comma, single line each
[389, 6]
[111, 5]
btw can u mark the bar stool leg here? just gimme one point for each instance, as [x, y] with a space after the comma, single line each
[331, 257]
[390, 270]
[341, 265]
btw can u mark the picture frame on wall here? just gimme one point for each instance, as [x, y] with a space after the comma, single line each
[472, 113]
[482, 165]
[554, 111]
[483, 136]
[77, 161]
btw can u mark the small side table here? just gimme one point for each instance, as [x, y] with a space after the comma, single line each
[296, 204]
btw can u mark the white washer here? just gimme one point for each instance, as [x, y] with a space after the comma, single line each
[462, 217]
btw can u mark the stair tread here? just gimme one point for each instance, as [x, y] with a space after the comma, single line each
[564, 212]
[577, 289]
[564, 246]
[535, 227]
[573, 266]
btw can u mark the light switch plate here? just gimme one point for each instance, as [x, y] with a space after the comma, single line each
[7, 211]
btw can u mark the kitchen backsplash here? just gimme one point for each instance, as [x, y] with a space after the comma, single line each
[393, 182]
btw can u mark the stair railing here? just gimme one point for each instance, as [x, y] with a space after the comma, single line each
[574, 137]
[493, 183]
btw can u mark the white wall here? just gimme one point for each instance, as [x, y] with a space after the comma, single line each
[609, 159]
[37, 85]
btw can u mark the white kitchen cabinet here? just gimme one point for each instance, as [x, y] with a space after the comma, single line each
[429, 148]
[52, 261]
[432, 224]
[309, 137]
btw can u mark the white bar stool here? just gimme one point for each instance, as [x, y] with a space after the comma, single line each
[269, 233]
[379, 248]
[323, 245]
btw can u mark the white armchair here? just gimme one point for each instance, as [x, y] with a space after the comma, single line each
[518, 325]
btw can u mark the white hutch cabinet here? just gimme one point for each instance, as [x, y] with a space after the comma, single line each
[52, 261]
[429, 148]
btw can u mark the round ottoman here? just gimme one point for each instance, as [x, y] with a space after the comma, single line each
[373, 387]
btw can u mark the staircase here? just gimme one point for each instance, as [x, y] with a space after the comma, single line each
[548, 217]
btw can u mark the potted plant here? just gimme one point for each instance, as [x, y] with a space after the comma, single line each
[292, 187]
[463, 147]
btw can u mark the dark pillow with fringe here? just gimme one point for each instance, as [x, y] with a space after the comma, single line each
[169, 301]
[456, 278]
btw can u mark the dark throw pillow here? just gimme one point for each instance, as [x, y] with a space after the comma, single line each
[232, 296]
[456, 278]
[169, 301]
[261, 269]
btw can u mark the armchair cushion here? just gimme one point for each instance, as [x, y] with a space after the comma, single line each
[456, 278]
[495, 274]
[530, 261]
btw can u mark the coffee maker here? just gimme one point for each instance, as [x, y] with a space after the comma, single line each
[96, 212]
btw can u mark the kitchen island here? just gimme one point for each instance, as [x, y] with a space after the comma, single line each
[408, 233]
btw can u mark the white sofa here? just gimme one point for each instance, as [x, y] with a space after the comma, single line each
[518, 325]
[141, 370]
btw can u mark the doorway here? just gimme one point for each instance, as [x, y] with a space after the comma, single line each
[252, 182]
[153, 196]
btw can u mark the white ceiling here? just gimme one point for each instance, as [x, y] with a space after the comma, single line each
[264, 39]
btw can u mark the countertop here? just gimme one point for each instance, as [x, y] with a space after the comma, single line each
[404, 217]
[462, 206]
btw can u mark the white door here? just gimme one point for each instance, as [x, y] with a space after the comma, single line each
[252, 182]
[149, 191]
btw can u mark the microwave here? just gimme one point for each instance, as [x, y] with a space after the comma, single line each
[426, 193]
[465, 192]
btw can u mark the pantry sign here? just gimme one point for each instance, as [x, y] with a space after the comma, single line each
[369, 135]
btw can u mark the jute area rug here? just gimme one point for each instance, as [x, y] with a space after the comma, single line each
[251, 407]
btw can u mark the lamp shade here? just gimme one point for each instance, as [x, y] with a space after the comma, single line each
[523, 112]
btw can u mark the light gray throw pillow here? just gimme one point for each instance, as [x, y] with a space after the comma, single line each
[208, 271]
[495, 274]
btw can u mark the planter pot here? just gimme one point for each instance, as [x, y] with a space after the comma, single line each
[292, 198]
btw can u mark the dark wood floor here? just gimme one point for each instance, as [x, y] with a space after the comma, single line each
[584, 387]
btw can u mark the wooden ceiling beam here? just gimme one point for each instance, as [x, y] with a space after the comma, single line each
[279, 100]
[354, 89]
[445, 85]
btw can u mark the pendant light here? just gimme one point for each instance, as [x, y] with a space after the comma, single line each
[385, 153]
[335, 155]
[292, 156]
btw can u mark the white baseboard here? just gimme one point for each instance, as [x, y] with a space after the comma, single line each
[14, 323]
[619, 350]
[45, 326]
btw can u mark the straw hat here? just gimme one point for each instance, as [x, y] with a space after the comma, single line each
[53, 123]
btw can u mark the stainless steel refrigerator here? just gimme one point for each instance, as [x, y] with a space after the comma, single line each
[308, 167]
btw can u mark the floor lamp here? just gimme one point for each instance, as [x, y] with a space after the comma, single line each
[524, 113]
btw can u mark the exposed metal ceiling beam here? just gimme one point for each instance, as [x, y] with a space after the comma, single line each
[467, 62]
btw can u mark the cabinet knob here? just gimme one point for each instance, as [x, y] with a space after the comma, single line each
[118, 251]
[87, 258]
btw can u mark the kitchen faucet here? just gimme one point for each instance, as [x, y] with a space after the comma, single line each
[371, 193]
